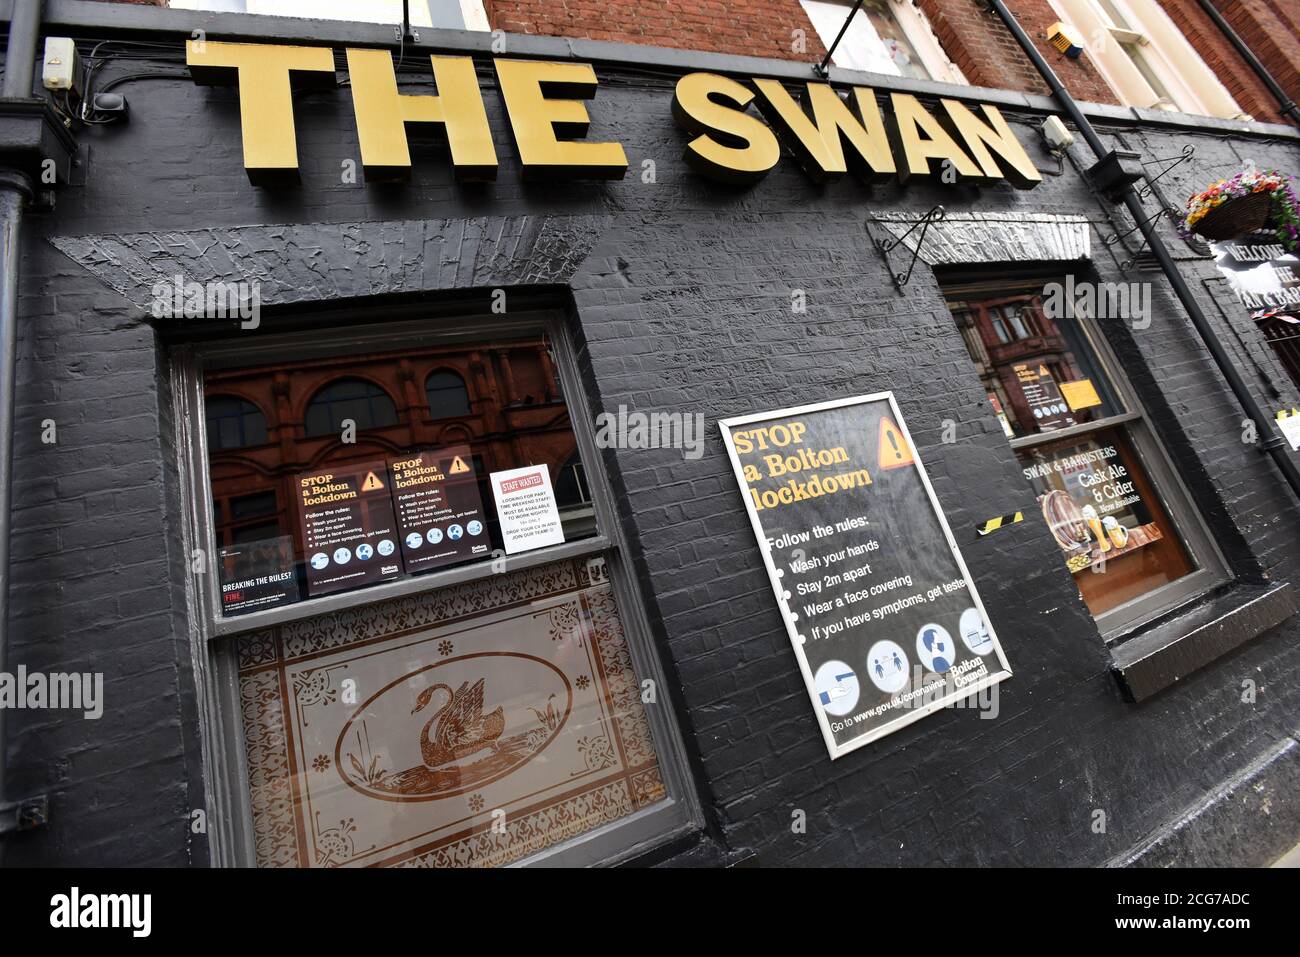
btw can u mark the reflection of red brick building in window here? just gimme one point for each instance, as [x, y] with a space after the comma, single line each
[1004, 332]
[268, 424]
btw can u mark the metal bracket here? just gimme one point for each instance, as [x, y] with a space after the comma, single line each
[28, 815]
[823, 69]
[1187, 153]
[1114, 238]
[404, 31]
[934, 215]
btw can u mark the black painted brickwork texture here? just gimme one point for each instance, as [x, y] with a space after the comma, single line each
[682, 306]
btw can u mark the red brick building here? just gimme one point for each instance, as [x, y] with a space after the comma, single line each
[970, 36]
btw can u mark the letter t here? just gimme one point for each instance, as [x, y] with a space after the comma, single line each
[265, 96]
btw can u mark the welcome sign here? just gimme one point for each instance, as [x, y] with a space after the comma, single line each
[545, 106]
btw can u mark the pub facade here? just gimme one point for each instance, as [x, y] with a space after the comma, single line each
[491, 449]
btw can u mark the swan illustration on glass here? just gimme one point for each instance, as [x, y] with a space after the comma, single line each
[460, 728]
[461, 745]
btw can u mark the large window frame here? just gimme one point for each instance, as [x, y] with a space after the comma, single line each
[1122, 621]
[446, 14]
[1146, 60]
[229, 811]
[827, 21]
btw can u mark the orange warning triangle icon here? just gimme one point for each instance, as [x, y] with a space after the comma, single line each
[1044, 371]
[458, 465]
[372, 483]
[894, 452]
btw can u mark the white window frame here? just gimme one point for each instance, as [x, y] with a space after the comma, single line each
[828, 16]
[1191, 84]
[471, 12]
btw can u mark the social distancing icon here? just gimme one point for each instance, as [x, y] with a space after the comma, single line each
[458, 465]
[894, 451]
[372, 483]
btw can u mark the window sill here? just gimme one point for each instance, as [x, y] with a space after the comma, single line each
[410, 585]
[1190, 637]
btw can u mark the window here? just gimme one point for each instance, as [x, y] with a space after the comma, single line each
[248, 488]
[884, 36]
[446, 394]
[453, 14]
[1126, 529]
[363, 402]
[391, 721]
[234, 423]
[1146, 59]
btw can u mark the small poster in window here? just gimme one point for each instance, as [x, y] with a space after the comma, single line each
[1002, 415]
[439, 510]
[1081, 394]
[1043, 396]
[257, 575]
[1091, 503]
[526, 508]
[1289, 422]
[349, 533]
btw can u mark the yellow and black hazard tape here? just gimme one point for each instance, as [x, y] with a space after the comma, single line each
[993, 524]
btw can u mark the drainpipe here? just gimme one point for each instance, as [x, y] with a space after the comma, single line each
[1270, 438]
[15, 191]
[1286, 104]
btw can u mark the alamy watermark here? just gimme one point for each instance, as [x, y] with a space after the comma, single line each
[175, 298]
[1129, 301]
[625, 429]
[34, 690]
[76, 909]
[926, 692]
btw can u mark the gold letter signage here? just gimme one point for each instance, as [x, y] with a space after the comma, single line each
[265, 99]
[382, 114]
[828, 134]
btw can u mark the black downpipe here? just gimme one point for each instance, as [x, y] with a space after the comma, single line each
[1268, 434]
[15, 191]
[20, 54]
[1286, 104]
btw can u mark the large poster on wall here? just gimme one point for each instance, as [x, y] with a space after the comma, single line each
[879, 607]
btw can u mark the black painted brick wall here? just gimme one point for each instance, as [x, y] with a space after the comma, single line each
[683, 306]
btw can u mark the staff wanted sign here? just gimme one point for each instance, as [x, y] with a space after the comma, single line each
[526, 508]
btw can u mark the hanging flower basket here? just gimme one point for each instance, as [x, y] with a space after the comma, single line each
[1236, 217]
[1248, 202]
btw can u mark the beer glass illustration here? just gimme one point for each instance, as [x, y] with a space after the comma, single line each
[1116, 532]
[1094, 523]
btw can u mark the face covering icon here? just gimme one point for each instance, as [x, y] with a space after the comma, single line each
[937, 647]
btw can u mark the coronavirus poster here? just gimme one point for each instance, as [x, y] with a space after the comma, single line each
[884, 620]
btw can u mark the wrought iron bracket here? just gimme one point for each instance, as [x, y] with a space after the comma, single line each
[885, 247]
[1114, 238]
[1171, 162]
[27, 815]
[823, 69]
